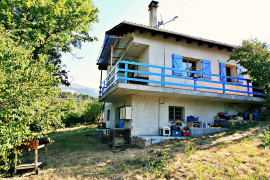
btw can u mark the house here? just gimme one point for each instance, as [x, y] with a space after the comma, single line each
[156, 77]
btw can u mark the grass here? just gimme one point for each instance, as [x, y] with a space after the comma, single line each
[236, 154]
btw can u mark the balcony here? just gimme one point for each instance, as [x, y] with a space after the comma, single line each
[127, 78]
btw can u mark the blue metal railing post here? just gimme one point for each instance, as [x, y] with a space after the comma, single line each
[162, 77]
[126, 73]
[195, 81]
[248, 88]
[117, 72]
[223, 85]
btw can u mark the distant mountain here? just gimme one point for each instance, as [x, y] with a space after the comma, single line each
[80, 89]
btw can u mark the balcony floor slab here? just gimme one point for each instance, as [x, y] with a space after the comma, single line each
[121, 90]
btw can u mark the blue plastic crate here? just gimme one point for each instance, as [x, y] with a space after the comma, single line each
[176, 133]
[190, 118]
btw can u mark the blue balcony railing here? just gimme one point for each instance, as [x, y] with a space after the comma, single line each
[121, 71]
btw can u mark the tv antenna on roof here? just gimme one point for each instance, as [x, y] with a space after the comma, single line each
[162, 23]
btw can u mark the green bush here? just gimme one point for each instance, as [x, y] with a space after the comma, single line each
[76, 110]
[72, 119]
[159, 164]
[266, 138]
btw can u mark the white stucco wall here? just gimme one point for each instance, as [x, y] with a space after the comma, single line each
[145, 112]
[160, 54]
[145, 121]
[114, 107]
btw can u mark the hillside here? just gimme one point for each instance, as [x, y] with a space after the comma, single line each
[236, 154]
[80, 89]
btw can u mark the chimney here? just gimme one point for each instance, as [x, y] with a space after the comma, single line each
[153, 13]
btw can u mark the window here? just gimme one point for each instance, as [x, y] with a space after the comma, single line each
[176, 113]
[189, 65]
[228, 73]
[230, 70]
[108, 114]
[186, 63]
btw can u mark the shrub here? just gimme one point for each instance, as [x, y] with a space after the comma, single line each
[266, 138]
[189, 149]
[159, 164]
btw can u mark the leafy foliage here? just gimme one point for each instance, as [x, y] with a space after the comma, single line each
[27, 86]
[266, 137]
[254, 56]
[49, 26]
[79, 109]
[93, 111]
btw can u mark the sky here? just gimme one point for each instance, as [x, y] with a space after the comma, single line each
[228, 21]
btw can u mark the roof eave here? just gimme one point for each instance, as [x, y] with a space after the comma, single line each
[120, 30]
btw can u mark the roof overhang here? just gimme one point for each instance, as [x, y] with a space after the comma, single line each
[128, 27]
[112, 50]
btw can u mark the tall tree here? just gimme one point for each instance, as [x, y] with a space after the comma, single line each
[50, 26]
[27, 109]
[254, 56]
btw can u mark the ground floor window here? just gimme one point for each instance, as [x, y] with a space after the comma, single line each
[176, 113]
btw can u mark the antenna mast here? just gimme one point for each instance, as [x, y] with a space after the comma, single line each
[162, 23]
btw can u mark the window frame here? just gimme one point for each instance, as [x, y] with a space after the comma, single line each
[233, 73]
[172, 109]
[187, 62]
[192, 61]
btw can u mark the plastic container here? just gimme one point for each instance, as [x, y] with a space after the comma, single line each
[176, 133]
[186, 134]
[256, 115]
[121, 123]
[245, 114]
[190, 118]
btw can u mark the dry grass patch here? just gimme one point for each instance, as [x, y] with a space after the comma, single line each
[236, 154]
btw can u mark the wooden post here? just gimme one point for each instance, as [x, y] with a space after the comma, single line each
[15, 163]
[36, 160]
[46, 151]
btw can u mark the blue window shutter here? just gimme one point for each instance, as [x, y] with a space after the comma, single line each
[177, 62]
[239, 70]
[206, 68]
[222, 70]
